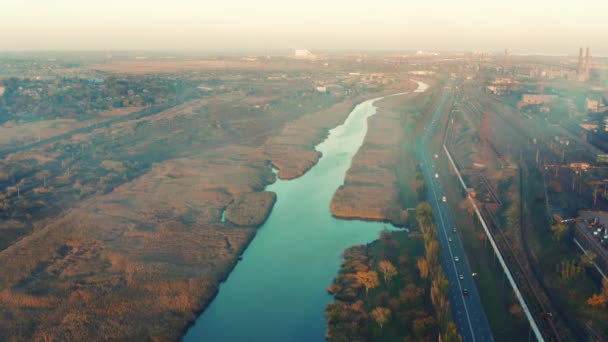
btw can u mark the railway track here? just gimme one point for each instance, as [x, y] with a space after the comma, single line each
[573, 330]
[554, 322]
[538, 306]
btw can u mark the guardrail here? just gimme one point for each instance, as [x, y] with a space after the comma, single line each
[520, 299]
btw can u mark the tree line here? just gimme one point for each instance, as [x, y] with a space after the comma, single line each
[76, 97]
[430, 267]
[392, 289]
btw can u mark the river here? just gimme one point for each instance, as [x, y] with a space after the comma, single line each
[278, 291]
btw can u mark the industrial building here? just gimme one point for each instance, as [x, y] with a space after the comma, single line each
[535, 99]
[584, 66]
[304, 54]
[532, 99]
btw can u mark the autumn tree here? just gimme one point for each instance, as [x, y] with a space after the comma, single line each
[404, 260]
[439, 298]
[381, 315]
[424, 215]
[368, 279]
[432, 254]
[597, 300]
[451, 334]
[588, 259]
[419, 185]
[559, 231]
[516, 311]
[422, 326]
[600, 299]
[388, 270]
[389, 244]
[346, 322]
[411, 294]
[423, 267]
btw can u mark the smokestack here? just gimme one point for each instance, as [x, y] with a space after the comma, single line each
[579, 70]
[505, 65]
[587, 64]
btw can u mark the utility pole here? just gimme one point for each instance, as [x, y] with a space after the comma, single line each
[594, 196]
[485, 135]
[556, 170]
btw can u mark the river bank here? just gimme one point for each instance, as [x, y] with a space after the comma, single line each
[117, 231]
[277, 292]
[292, 151]
[142, 259]
[371, 189]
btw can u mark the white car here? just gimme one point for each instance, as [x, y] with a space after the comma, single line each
[449, 239]
[461, 277]
[436, 156]
[436, 176]
[444, 199]
[456, 258]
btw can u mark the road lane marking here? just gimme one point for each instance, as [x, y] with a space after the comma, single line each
[443, 225]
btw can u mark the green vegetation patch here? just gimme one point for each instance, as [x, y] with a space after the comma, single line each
[393, 289]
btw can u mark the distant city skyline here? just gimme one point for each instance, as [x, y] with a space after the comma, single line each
[541, 26]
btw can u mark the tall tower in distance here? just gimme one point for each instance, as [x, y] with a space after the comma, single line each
[579, 70]
[584, 64]
[587, 64]
[505, 63]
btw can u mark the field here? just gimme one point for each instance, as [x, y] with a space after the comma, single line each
[116, 228]
[178, 66]
[19, 133]
[379, 184]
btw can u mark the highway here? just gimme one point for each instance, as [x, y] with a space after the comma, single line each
[467, 310]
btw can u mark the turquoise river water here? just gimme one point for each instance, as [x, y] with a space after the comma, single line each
[278, 291]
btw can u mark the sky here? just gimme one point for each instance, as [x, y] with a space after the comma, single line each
[546, 26]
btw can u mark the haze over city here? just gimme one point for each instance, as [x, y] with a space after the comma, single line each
[524, 26]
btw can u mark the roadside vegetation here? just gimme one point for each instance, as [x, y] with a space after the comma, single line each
[504, 314]
[393, 289]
